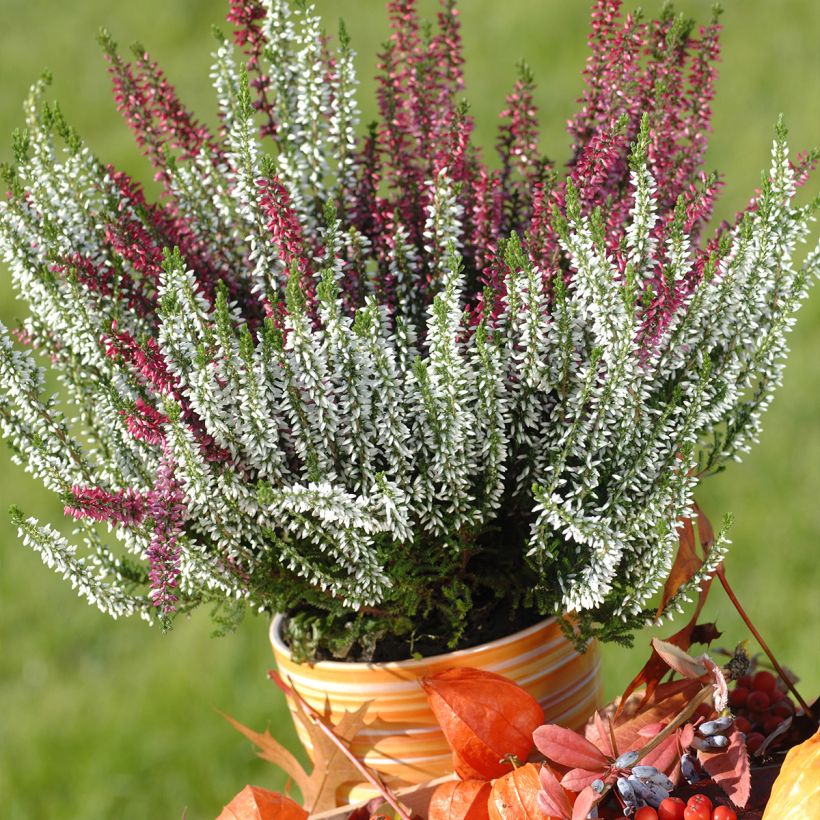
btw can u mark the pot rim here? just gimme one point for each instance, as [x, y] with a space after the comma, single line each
[279, 646]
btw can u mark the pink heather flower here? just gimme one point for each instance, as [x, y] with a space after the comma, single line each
[522, 165]
[147, 359]
[153, 112]
[246, 16]
[283, 224]
[146, 423]
[165, 505]
[125, 507]
[174, 122]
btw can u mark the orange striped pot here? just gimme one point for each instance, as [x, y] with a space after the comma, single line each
[402, 740]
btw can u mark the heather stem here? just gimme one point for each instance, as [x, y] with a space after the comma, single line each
[764, 646]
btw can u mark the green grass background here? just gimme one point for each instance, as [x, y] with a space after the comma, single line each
[114, 720]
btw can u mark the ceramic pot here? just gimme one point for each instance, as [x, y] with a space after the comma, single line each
[402, 740]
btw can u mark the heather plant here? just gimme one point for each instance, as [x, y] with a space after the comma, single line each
[363, 377]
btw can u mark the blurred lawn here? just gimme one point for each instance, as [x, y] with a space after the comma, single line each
[114, 720]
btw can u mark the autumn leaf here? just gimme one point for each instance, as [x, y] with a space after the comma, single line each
[665, 757]
[332, 769]
[333, 765]
[568, 748]
[604, 739]
[460, 800]
[577, 780]
[687, 563]
[679, 660]
[667, 702]
[655, 668]
[553, 799]
[273, 751]
[584, 803]
[485, 717]
[253, 803]
[729, 768]
[515, 796]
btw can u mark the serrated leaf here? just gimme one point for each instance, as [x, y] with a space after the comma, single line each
[271, 750]
[730, 769]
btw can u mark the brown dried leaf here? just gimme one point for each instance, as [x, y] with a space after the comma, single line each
[687, 563]
[272, 751]
[331, 768]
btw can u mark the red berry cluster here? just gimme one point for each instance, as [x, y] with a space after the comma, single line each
[699, 807]
[759, 707]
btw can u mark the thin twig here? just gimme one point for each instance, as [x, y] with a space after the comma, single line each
[764, 646]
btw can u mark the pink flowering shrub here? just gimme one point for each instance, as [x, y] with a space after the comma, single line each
[370, 377]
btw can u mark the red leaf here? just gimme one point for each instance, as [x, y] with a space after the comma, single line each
[460, 800]
[485, 717]
[730, 769]
[583, 805]
[253, 803]
[577, 780]
[568, 748]
[516, 795]
[553, 799]
[687, 563]
[604, 741]
[661, 709]
[679, 660]
[665, 756]
[651, 729]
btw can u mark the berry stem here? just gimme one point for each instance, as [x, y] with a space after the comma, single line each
[721, 574]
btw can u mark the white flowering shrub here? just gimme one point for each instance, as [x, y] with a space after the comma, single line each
[369, 380]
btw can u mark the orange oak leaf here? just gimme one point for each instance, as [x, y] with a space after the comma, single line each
[460, 800]
[253, 803]
[331, 767]
[515, 796]
[273, 751]
[485, 717]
